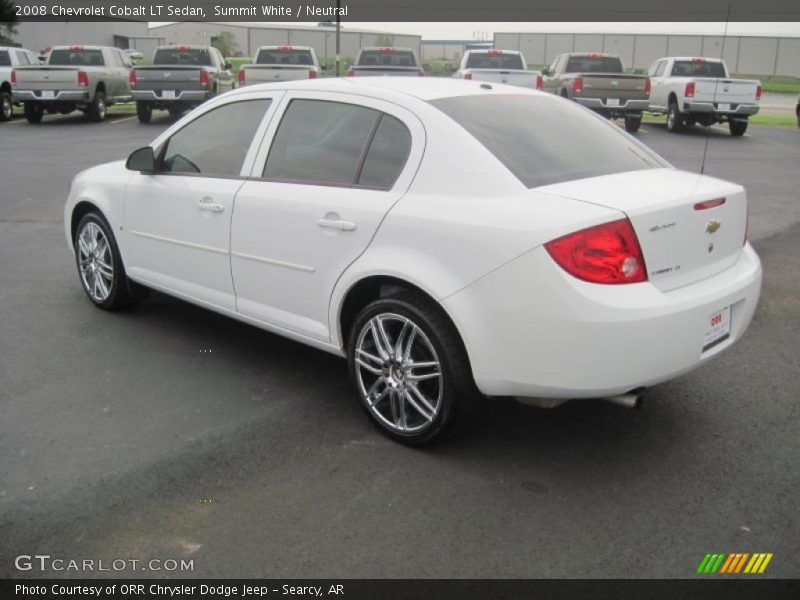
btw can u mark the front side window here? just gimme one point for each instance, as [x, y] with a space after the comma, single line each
[216, 143]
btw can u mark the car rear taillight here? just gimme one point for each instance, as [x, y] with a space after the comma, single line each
[689, 91]
[83, 79]
[13, 78]
[647, 86]
[204, 78]
[607, 253]
[312, 74]
[539, 82]
[350, 72]
[467, 75]
[577, 85]
[758, 92]
[132, 77]
[242, 77]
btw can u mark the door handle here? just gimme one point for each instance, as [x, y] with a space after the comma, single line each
[207, 203]
[334, 222]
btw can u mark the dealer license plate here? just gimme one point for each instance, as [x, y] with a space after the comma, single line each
[48, 94]
[724, 107]
[718, 328]
[168, 94]
[613, 102]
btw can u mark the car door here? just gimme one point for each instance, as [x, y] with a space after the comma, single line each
[178, 218]
[330, 169]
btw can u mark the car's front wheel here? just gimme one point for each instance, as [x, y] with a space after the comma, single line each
[410, 369]
[97, 109]
[6, 106]
[100, 267]
[674, 118]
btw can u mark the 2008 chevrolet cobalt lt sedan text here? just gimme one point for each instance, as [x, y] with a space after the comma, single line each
[451, 238]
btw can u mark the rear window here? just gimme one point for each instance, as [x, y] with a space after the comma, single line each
[544, 140]
[284, 56]
[200, 57]
[484, 60]
[386, 58]
[697, 68]
[77, 57]
[594, 64]
[5, 60]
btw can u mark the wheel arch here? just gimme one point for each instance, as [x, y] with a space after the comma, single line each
[80, 210]
[5, 87]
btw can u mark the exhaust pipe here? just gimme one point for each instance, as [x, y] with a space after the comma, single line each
[629, 400]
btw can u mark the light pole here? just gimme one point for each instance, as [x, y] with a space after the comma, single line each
[338, 28]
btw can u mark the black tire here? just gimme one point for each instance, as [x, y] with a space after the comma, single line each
[6, 106]
[674, 118]
[632, 123]
[120, 294]
[97, 109]
[565, 94]
[34, 112]
[737, 127]
[455, 388]
[144, 110]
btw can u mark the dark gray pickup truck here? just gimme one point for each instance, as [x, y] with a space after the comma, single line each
[181, 77]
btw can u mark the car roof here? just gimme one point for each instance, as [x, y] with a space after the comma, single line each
[393, 88]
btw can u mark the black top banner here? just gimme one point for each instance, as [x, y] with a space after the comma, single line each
[300, 11]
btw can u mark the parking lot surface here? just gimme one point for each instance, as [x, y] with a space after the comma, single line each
[171, 432]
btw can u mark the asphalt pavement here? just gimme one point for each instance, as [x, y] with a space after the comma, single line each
[172, 432]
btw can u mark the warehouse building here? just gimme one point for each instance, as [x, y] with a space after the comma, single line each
[38, 36]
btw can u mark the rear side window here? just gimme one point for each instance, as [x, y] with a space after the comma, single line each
[697, 68]
[182, 56]
[5, 59]
[77, 57]
[284, 55]
[486, 60]
[387, 57]
[387, 154]
[593, 64]
[544, 140]
[215, 143]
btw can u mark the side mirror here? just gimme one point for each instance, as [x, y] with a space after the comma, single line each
[142, 160]
[228, 66]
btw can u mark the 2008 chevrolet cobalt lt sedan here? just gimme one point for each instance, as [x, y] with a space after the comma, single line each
[450, 238]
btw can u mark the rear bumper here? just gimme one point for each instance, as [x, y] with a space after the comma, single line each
[180, 96]
[712, 107]
[532, 330]
[602, 104]
[58, 96]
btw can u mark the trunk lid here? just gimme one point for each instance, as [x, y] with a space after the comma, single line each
[616, 85]
[731, 91]
[683, 240]
[47, 78]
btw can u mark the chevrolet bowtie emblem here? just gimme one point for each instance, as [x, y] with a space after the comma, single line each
[712, 226]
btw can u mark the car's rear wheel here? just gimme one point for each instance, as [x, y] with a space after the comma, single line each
[97, 109]
[410, 369]
[144, 110]
[632, 123]
[100, 267]
[737, 128]
[6, 106]
[33, 112]
[674, 118]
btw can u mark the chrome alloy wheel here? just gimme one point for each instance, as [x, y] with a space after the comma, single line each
[95, 262]
[398, 373]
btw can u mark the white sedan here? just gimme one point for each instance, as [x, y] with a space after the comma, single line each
[450, 238]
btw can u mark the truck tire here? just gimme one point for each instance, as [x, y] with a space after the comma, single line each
[674, 118]
[632, 123]
[6, 106]
[144, 110]
[737, 127]
[97, 109]
[34, 112]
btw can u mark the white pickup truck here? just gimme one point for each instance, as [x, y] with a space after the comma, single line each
[11, 58]
[498, 66]
[280, 63]
[700, 91]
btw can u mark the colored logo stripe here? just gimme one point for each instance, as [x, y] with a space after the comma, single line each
[737, 562]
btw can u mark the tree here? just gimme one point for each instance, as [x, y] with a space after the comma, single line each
[226, 43]
[8, 27]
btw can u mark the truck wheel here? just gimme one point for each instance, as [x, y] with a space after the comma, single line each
[632, 123]
[97, 109]
[144, 110]
[674, 118]
[737, 127]
[33, 112]
[6, 106]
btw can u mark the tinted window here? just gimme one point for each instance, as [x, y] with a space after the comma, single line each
[320, 142]
[217, 142]
[387, 57]
[545, 140]
[486, 60]
[182, 56]
[593, 64]
[697, 68]
[387, 154]
[76, 56]
[284, 55]
[5, 59]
